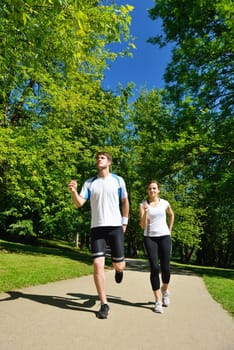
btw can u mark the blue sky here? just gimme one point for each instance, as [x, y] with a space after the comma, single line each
[148, 64]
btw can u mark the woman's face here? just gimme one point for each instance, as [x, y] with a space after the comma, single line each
[153, 189]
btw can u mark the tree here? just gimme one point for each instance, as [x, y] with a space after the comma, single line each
[199, 82]
[54, 114]
[156, 155]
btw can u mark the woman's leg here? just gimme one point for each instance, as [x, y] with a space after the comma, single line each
[151, 247]
[165, 253]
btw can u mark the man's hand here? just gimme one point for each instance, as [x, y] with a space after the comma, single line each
[124, 228]
[72, 186]
[77, 199]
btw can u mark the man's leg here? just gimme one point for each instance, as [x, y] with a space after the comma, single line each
[116, 239]
[119, 266]
[99, 278]
[98, 248]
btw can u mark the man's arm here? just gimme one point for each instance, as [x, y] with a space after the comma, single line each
[76, 198]
[125, 212]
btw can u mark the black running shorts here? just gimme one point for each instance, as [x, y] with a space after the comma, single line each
[111, 236]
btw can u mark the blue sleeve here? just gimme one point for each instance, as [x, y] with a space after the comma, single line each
[85, 191]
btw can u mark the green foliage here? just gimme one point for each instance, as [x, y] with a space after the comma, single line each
[22, 228]
[54, 114]
[199, 86]
[157, 156]
[54, 117]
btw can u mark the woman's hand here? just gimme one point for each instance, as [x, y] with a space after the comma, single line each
[145, 206]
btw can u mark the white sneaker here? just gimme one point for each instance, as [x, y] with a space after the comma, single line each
[165, 297]
[158, 307]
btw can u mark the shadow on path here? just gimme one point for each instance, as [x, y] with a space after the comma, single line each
[57, 301]
[85, 302]
[76, 301]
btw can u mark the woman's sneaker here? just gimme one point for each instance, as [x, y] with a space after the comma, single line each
[165, 298]
[158, 307]
[103, 312]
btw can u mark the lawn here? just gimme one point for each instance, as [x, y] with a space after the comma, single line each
[219, 282]
[23, 265]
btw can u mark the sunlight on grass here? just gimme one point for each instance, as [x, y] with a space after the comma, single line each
[219, 283]
[22, 269]
[222, 290]
[25, 265]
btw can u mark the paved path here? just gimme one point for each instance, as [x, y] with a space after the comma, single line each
[61, 316]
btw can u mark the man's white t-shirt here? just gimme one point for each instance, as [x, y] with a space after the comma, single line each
[157, 221]
[105, 194]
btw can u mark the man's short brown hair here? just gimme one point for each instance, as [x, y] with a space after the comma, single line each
[102, 153]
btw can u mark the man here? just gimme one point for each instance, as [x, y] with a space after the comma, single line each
[106, 192]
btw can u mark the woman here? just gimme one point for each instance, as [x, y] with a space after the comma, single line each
[157, 241]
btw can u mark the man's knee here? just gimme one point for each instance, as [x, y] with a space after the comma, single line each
[99, 264]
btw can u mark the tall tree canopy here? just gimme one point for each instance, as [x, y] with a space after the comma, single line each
[199, 84]
[54, 114]
[154, 156]
[202, 62]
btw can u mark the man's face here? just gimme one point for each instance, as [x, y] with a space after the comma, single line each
[102, 162]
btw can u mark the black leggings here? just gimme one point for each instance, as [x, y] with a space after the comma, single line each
[158, 249]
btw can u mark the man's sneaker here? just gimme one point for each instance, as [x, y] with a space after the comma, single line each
[158, 307]
[165, 298]
[104, 311]
[118, 276]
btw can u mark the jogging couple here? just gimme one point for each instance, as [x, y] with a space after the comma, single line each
[109, 219]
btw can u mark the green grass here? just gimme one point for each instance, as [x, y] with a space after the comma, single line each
[23, 265]
[219, 283]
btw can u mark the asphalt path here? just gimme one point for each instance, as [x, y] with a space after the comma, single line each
[62, 316]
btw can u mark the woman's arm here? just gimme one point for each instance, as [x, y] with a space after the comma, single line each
[143, 215]
[171, 217]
